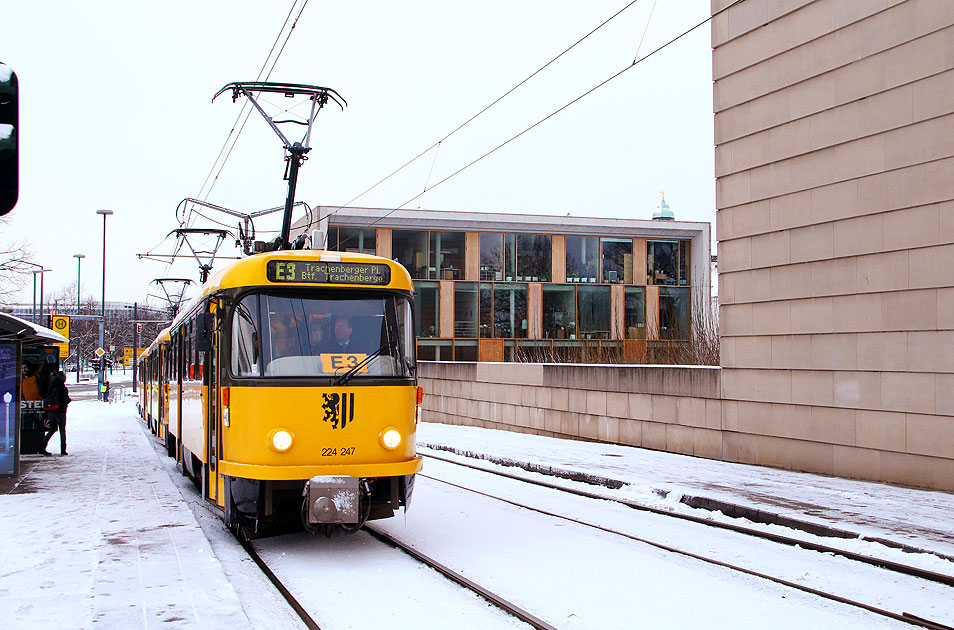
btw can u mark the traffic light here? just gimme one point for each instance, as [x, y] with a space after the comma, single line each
[9, 141]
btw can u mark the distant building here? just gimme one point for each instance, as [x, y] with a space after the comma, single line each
[491, 285]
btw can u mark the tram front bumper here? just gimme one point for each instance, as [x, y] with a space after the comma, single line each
[332, 499]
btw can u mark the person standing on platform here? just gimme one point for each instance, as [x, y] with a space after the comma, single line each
[55, 403]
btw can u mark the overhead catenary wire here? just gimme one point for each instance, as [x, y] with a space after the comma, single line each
[606, 81]
[246, 111]
[249, 110]
[245, 105]
[477, 115]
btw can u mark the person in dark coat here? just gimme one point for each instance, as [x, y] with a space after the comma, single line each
[342, 342]
[55, 402]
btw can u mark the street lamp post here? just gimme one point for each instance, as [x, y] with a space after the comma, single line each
[42, 271]
[135, 352]
[33, 310]
[102, 322]
[79, 259]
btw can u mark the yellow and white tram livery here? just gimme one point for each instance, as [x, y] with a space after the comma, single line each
[291, 391]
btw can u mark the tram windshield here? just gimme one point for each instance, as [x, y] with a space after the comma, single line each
[339, 334]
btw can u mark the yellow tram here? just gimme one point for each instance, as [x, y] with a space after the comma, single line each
[152, 403]
[288, 389]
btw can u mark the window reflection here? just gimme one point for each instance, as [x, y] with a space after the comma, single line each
[593, 305]
[465, 309]
[446, 260]
[486, 310]
[617, 260]
[426, 302]
[582, 258]
[533, 257]
[510, 310]
[634, 315]
[667, 262]
[559, 311]
[356, 240]
[674, 313]
[409, 247]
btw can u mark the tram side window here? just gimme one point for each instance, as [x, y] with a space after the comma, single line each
[200, 364]
[245, 338]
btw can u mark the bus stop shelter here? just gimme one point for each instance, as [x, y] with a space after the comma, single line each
[21, 421]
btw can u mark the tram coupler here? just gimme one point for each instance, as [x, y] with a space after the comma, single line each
[332, 499]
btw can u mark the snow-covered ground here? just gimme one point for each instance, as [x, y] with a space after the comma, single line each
[85, 543]
[920, 518]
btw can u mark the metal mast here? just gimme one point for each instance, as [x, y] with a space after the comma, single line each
[296, 152]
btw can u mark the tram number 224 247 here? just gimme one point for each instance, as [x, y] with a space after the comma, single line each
[332, 450]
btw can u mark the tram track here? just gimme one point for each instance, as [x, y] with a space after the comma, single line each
[459, 579]
[803, 543]
[904, 616]
[293, 602]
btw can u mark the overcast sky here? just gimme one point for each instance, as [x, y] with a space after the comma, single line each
[116, 112]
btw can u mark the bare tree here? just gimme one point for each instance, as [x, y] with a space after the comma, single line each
[701, 347]
[14, 268]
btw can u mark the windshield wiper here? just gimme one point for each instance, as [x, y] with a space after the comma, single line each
[344, 378]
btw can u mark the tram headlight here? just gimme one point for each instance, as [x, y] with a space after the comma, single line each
[280, 440]
[391, 438]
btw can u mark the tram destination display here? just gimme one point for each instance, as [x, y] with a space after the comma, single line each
[321, 272]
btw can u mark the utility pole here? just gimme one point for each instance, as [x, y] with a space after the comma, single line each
[102, 321]
[79, 259]
[135, 342]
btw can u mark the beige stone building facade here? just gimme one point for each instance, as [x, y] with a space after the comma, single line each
[834, 132]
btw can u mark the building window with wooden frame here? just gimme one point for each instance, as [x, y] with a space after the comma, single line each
[497, 256]
[533, 257]
[674, 313]
[435, 350]
[486, 298]
[409, 247]
[593, 309]
[353, 240]
[559, 311]
[446, 260]
[617, 260]
[667, 262]
[465, 350]
[426, 303]
[466, 309]
[510, 310]
[582, 259]
[634, 312]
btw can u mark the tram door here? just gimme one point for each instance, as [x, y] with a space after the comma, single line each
[214, 418]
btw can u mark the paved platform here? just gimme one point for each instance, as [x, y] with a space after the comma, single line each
[104, 538]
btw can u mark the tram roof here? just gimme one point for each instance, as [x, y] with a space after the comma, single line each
[250, 272]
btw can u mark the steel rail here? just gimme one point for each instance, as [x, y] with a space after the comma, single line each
[277, 583]
[889, 565]
[452, 575]
[903, 616]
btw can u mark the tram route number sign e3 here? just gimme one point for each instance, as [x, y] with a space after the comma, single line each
[320, 272]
